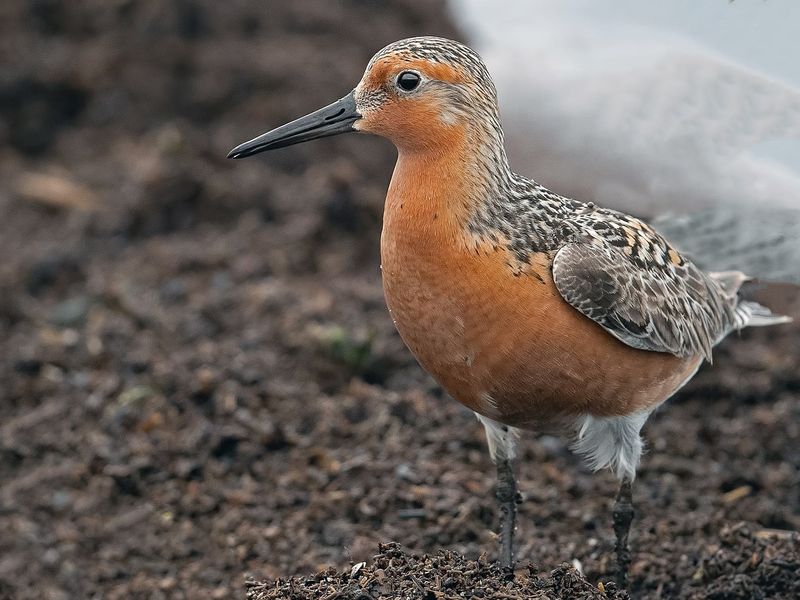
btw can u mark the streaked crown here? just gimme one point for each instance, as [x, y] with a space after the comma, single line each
[441, 51]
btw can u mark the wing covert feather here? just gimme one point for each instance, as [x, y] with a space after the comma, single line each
[668, 307]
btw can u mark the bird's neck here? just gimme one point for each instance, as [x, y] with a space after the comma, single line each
[435, 191]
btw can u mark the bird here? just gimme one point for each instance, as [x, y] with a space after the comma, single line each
[536, 311]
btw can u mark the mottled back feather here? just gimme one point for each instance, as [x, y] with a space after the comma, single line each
[664, 307]
[619, 271]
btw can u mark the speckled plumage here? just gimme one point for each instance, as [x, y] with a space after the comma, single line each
[617, 270]
[613, 268]
[534, 310]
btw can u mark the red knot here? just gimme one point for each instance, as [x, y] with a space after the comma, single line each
[534, 310]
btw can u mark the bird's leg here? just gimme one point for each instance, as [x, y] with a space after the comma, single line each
[623, 515]
[503, 441]
[507, 503]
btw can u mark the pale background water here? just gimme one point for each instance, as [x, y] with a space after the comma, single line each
[648, 106]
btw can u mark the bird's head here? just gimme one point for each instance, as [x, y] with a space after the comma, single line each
[421, 93]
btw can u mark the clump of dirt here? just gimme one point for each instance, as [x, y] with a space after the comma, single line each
[750, 564]
[746, 565]
[398, 575]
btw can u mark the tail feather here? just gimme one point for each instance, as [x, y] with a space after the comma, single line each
[731, 281]
[753, 314]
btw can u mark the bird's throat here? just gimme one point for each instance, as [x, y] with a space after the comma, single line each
[432, 193]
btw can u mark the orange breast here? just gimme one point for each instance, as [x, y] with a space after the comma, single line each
[505, 345]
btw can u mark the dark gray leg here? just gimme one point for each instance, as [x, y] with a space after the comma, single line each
[623, 515]
[507, 502]
[503, 448]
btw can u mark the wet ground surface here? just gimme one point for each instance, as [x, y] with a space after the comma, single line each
[199, 382]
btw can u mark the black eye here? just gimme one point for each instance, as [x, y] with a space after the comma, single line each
[408, 80]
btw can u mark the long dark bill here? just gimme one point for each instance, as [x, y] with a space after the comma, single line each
[333, 119]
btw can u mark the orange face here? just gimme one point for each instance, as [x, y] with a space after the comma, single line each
[420, 104]
[417, 104]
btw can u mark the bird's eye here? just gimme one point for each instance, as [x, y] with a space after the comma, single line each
[408, 80]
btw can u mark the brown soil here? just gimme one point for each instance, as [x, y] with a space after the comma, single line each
[393, 573]
[744, 565]
[199, 382]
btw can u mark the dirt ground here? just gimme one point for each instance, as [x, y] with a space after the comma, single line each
[199, 382]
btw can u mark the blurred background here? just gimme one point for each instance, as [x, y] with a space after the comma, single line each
[672, 107]
[199, 381]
